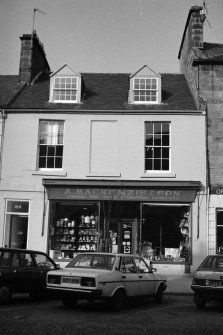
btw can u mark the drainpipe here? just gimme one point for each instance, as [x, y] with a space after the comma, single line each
[3, 117]
[207, 158]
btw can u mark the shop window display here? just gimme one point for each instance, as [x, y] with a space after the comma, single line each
[166, 233]
[73, 228]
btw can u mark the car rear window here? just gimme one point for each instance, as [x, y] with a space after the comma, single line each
[213, 263]
[4, 257]
[94, 261]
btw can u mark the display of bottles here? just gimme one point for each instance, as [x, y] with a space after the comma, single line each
[72, 236]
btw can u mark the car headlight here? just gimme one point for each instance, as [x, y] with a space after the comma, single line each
[87, 281]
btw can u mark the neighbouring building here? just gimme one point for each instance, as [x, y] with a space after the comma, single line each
[202, 64]
[102, 161]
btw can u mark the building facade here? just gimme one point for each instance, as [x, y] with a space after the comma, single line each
[202, 64]
[103, 162]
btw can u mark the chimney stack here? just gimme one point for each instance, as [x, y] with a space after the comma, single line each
[32, 58]
[195, 27]
[193, 31]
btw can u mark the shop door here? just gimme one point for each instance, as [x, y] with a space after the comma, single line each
[18, 231]
[125, 236]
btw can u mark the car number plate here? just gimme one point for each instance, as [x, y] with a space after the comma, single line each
[70, 280]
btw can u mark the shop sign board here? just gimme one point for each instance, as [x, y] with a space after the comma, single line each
[217, 190]
[121, 194]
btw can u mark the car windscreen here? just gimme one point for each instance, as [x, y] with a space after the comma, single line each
[93, 261]
[212, 263]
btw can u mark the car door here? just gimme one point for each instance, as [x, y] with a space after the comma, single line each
[129, 276]
[146, 278]
[43, 264]
[22, 271]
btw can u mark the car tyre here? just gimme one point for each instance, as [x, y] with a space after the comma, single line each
[158, 299]
[5, 294]
[199, 302]
[118, 300]
[69, 302]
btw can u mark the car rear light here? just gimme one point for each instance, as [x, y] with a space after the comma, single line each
[88, 282]
[198, 281]
[53, 279]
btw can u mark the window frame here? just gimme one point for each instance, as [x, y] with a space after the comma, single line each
[161, 147]
[65, 89]
[219, 226]
[146, 90]
[58, 122]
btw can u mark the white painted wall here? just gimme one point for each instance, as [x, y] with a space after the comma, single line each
[21, 180]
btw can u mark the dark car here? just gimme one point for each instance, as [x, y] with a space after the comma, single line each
[207, 281]
[23, 271]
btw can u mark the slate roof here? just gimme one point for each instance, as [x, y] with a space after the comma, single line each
[105, 91]
[9, 85]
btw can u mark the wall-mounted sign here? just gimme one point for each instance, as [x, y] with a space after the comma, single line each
[17, 206]
[119, 194]
[217, 190]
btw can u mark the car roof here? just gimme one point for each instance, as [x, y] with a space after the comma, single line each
[21, 250]
[108, 254]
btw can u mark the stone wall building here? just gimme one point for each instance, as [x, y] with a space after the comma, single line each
[202, 64]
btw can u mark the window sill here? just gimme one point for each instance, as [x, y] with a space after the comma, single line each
[49, 173]
[158, 175]
[103, 174]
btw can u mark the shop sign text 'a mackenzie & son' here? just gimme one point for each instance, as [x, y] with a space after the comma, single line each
[127, 194]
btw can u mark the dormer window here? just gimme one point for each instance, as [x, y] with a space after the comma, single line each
[145, 87]
[65, 89]
[65, 86]
[145, 90]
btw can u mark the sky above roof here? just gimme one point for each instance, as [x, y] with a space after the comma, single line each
[103, 35]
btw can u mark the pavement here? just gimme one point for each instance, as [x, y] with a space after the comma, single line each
[179, 284]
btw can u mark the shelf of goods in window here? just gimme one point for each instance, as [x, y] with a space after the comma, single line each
[87, 247]
[87, 221]
[64, 223]
[68, 247]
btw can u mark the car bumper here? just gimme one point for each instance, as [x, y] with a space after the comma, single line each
[79, 293]
[208, 292]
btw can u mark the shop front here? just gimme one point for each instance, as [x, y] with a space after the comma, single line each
[150, 218]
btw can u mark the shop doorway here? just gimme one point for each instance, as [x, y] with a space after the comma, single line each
[120, 228]
[18, 232]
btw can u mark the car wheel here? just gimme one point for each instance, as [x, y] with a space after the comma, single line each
[158, 299]
[118, 300]
[199, 302]
[69, 302]
[5, 294]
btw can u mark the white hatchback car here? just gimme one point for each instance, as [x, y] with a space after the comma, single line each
[105, 276]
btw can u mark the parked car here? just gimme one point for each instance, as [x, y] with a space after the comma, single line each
[106, 276]
[23, 271]
[207, 281]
